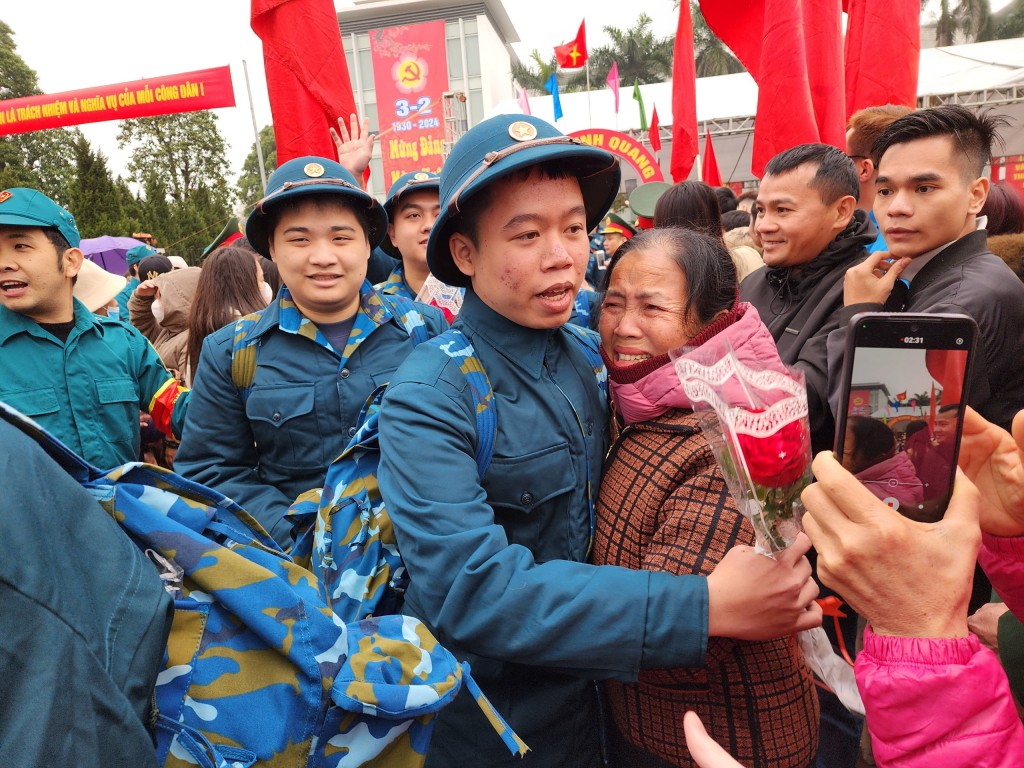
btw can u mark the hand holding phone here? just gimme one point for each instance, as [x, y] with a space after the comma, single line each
[902, 403]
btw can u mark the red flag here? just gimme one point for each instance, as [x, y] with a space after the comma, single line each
[709, 167]
[307, 76]
[892, 26]
[793, 49]
[901, 396]
[573, 55]
[653, 133]
[684, 98]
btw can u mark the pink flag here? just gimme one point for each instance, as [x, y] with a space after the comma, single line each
[524, 102]
[613, 83]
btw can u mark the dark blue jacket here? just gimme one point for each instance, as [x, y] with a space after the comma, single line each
[265, 450]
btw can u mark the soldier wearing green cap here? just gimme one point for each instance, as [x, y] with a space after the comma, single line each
[413, 204]
[82, 376]
[276, 398]
[498, 563]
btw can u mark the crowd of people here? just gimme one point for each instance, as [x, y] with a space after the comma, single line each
[599, 576]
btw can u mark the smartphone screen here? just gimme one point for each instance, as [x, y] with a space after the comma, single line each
[903, 395]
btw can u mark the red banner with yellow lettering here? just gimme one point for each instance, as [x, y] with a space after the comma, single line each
[410, 74]
[186, 92]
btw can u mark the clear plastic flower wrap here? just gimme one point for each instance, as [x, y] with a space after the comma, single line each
[445, 297]
[755, 421]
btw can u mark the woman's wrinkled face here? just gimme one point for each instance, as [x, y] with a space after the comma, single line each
[643, 314]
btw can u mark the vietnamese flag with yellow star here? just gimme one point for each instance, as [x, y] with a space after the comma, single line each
[573, 55]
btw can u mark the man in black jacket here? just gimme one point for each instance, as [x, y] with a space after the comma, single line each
[929, 193]
[812, 232]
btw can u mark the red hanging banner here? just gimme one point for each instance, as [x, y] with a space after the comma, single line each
[410, 74]
[187, 92]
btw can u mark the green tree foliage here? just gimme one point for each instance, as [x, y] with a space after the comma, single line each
[42, 160]
[101, 204]
[250, 186]
[180, 160]
[1009, 22]
[641, 55]
[534, 78]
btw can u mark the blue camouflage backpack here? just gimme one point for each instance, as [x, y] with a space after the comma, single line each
[257, 669]
[343, 532]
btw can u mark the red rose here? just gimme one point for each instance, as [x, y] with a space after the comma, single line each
[779, 459]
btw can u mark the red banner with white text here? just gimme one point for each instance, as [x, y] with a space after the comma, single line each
[186, 92]
[410, 74]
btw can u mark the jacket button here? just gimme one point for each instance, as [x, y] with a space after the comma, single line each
[277, 416]
[526, 499]
[344, 374]
[590, 428]
[351, 431]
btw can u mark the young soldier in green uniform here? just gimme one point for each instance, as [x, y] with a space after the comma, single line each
[83, 377]
[498, 564]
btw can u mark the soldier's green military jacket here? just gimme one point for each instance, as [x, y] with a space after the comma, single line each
[88, 391]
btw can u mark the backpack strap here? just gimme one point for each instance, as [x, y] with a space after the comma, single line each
[408, 315]
[243, 355]
[590, 342]
[457, 346]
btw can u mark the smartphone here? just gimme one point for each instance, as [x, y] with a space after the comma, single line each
[901, 406]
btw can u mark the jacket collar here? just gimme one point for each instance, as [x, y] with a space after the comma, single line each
[524, 347]
[396, 284]
[11, 323]
[283, 314]
[793, 282]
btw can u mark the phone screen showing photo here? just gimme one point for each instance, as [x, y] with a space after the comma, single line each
[903, 414]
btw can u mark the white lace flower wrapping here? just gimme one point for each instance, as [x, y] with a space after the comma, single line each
[445, 297]
[755, 421]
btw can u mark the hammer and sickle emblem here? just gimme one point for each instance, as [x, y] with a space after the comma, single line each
[411, 73]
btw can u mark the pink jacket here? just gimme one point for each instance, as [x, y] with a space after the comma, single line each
[945, 702]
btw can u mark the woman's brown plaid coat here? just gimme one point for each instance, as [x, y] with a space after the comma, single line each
[664, 506]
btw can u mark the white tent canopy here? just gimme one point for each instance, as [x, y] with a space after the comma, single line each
[979, 75]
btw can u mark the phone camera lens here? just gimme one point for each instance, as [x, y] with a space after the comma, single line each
[959, 342]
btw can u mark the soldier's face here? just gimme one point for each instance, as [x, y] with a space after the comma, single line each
[413, 218]
[34, 280]
[532, 250]
[321, 252]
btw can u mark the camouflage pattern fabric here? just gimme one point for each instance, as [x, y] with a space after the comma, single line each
[258, 669]
[395, 284]
[343, 531]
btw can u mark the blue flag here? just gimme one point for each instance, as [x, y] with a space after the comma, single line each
[552, 87]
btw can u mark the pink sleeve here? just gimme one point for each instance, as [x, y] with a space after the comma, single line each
[1003, 562]
[937, 702]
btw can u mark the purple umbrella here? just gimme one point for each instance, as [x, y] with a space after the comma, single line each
[109, 252]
